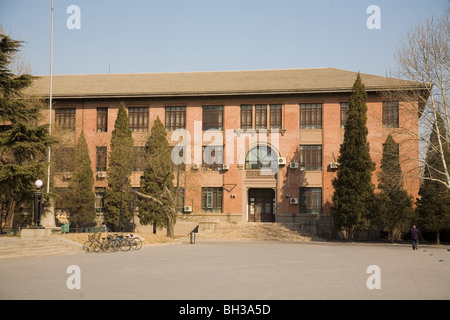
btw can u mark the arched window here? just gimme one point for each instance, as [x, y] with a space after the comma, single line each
[261, 157]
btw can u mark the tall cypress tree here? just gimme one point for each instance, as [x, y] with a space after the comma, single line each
[394, 210]
[23, 142]
[119, 198]
[353, 195]
[80, 194]
[433, 206]
[157, 191]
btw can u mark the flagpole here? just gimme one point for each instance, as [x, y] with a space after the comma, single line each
[50, 100]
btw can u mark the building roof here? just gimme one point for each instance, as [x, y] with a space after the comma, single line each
[288, 81]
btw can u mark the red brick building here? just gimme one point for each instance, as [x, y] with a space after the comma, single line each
[273, 136]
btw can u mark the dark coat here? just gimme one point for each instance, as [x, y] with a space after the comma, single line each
[414, 233]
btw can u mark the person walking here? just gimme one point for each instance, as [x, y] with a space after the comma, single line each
[414, 237]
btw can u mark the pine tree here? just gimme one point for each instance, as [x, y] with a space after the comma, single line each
[394, 210]
[80, 194]
[433, 206]
[119, 198]
[23, 142]
[157, 190]
[353, 195]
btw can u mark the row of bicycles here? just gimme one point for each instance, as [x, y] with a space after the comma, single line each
[112, 243]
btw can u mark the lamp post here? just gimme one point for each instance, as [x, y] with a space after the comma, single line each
[38, 205]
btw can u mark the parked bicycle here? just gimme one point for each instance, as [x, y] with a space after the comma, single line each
[123, 242]
[112, 243]
[92, 244]
[136, 242]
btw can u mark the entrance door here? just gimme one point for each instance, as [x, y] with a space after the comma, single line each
[261, 204]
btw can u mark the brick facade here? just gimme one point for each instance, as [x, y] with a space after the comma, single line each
[236, 181]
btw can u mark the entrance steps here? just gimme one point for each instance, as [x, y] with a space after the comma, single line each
[271, 231]
[13, 248]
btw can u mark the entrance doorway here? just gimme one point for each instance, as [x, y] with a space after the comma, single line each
[261, 203]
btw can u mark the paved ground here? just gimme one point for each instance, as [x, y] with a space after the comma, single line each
[238, 270]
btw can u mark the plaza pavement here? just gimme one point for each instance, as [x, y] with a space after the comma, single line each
[236, 270]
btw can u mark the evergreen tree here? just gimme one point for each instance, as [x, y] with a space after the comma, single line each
[80, 194]
[394, 211]
[353, 196]
[433, 206]
[157, 190]
[119, 198]
[23, 142]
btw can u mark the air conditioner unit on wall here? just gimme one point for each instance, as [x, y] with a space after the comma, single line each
[293, 200]
[282, 161]
[101, 174]
[334, 165]
[293, 165]
[187, 208]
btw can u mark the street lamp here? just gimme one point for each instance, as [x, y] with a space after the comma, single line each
[38, 205]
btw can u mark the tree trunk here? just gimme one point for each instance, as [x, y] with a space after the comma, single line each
[438, 237]
[10, 213]
[170, 225]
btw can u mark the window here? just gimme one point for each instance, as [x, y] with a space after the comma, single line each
[212, 199]
[138, 118]
[139, 158]
[261, 157]
[180, 199]
[261, 116]
[65, 118]
[178, 159]
[390, 114]
[63, 159]
[311, 157]
[213, 117]
[275, 116]
[100, 157]
[102, 119]
[100, 193]
[212, 158]
[175, 118]
[344, 112]
[311, 116]
[311, 200]
[246, 117]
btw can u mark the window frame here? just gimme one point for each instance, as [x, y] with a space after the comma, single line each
[101, 158]
[102, 119]
[391, 118]
[311, 157]
[212, 166]
[256, 164]
[345, 106]
[246, 116]
[311, 116]
[260, 116]
[175, 117]
[100, 194]
[310, 200]
[138, 118]
[65, 118]
[276, 116]
[212, 199]
[212, 117]
[63, 158]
